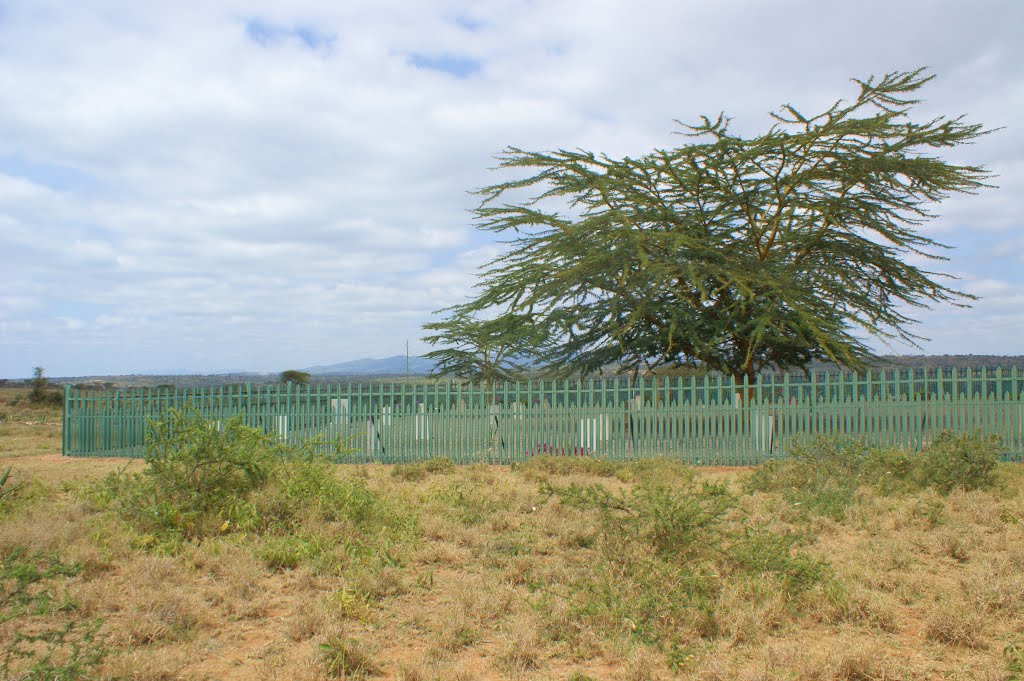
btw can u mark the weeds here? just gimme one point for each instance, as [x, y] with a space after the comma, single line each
[760, 552]
[656, 470]
[667, 551]
[18, 572]
[580, 676]
[825, 476]
[954, 625]
[420, 470]
[347, 658]
[469, 505]
[66, 651]
[681, 523]
[7, 490]
[1014, 654]
[558, 465]
[69, 652]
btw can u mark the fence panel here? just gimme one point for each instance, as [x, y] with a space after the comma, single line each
[712, 420]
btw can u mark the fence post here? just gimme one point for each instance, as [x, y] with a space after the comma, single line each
[65, 420]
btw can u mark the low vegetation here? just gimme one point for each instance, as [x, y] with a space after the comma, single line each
[826, 476]
[225, 555]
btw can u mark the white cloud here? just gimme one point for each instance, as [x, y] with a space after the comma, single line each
[275, 184]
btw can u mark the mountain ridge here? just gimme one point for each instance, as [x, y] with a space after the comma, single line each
[369, 366]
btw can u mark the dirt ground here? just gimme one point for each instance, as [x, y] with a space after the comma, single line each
[493, 584]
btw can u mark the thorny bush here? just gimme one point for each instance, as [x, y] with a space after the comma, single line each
[203, 479]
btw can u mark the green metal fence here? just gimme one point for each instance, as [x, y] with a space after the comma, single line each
[709, 420]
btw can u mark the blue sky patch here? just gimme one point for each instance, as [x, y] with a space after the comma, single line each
[54, 176]
[266, 34]
[469, 23]
[460, 67]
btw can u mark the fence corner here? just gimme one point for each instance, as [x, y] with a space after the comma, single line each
[65, 420]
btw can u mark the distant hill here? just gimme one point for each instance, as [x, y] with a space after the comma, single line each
[389, 366]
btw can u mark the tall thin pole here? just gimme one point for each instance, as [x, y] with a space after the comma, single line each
[407, 360]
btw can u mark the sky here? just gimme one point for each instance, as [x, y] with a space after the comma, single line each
[255, 186]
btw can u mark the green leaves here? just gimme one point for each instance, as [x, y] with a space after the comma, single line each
[295, 376]
[738, 253]
[7, 491]
[487, 350]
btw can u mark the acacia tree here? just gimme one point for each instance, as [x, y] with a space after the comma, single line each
[294, 376]
[487, 350]
[737, 253]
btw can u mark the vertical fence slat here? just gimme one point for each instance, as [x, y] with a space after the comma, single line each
[711, 419]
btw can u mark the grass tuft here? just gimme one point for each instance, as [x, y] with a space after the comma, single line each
[421, 470]
[346, 658]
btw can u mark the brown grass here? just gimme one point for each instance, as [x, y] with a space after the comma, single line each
[502, 581]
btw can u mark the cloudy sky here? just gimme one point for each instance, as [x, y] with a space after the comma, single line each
[228, 185]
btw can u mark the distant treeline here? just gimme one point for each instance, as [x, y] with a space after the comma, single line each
[937, 362]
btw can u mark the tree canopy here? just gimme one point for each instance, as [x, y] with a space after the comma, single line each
[736, 253]
[39, 386]
[294, 376]
[485, 349]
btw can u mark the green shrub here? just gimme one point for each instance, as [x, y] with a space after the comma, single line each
[960, 461]
[304, 490]
[19, 570]
[40, 393]
[953, 460]
[306, 495]
[71, 651]
[682, 523]
[892, 471]
[194, 472]
[198, 466]
[822, 476]
[202, 481]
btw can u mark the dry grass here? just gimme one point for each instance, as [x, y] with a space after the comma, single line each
[504, 578]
